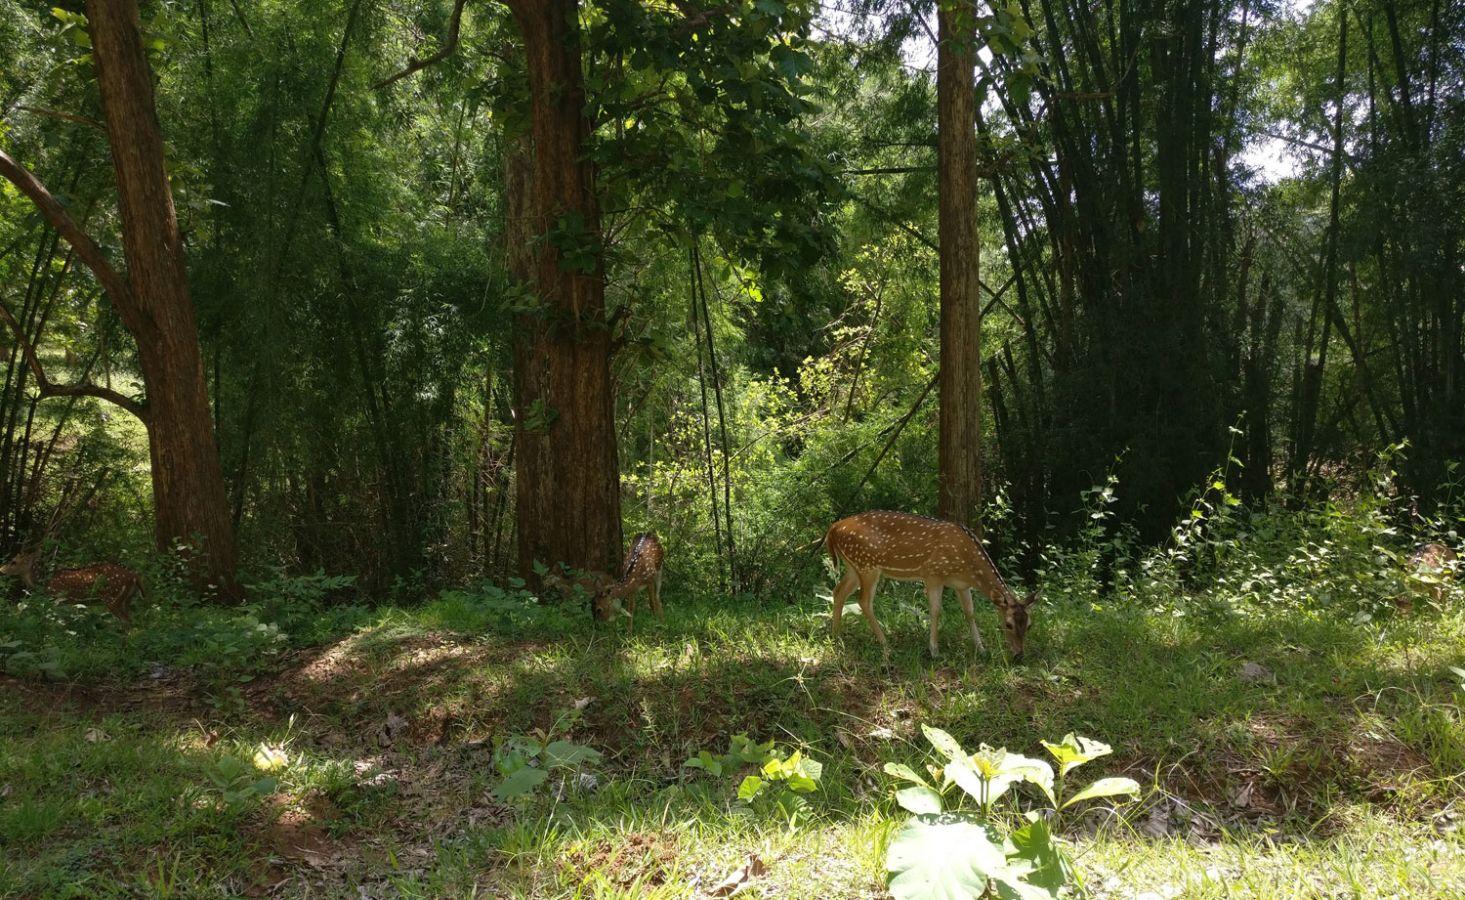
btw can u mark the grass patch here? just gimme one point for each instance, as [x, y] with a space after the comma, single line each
[1275, 745]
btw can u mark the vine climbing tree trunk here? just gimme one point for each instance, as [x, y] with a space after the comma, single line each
[960, 454]
[576, 496]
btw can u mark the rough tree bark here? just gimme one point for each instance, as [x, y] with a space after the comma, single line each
[572, 514]
[188, 484]
[534, 506]
[152, 301]
[960, 455]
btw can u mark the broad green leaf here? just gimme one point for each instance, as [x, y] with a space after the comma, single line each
[520, 783]
[706, 762]
[750, 788]
[811, 768]
[1011, 886]
[942, 858]
[1074, 751]
[1034, 853]
[964, 776]
[944, 743]
[903, 771]
[919, 800]
[1033, 771]
[1105, 787]
[567, 753]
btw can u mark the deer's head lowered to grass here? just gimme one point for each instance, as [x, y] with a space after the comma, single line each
[114, 585]
[937, 554]
[641, 569]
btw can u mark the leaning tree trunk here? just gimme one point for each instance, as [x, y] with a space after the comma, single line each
[960, 456]
[188, 484]
[577, 500]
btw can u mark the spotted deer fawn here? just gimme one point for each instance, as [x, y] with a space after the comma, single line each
[1431, 566]
[936, 553]
[114, 585]
[641, 569]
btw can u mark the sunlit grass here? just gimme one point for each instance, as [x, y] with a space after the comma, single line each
[1278, 747]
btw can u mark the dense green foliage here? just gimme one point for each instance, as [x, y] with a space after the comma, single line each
[1223, 351]
[768, 192]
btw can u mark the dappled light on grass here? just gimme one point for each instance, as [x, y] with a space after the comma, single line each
[1267, 739]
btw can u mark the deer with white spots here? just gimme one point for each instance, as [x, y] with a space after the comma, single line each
[642, 569]
[114, 585]
[936, 553]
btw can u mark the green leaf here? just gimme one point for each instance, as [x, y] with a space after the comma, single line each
[811, 768]
[1074, 751]
[1105, 787]
[965, 776]
[903, 771]
[520, 783]
[706, 762]
[919, 800]
[944, 743]
[1033, 771]
[751, 787]
[1038, 858]
[566, 754]
[942, 858]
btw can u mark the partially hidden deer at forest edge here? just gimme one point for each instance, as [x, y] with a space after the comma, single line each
[115, 585]
[936, 553]
[641, 569]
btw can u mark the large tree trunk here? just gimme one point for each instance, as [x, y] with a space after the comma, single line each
[188, 485]
[960, 457]
[534, 505]
[570, 512]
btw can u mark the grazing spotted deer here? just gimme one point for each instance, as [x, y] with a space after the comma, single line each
[1432, 565]
[114, 585]
[936, 553]
[642, 569]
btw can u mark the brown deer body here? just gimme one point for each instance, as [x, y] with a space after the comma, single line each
[1437, 563]
[641, 569]
[935, 553]
[114, 585]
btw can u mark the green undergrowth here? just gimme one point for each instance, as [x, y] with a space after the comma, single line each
[1284, 744]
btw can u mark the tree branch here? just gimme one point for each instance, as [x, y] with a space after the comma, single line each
[55, 215]
[65, 117]
[49, 388]
[415, 65]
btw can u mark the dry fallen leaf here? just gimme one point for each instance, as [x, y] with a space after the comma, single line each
[739, 877]
[96, 736]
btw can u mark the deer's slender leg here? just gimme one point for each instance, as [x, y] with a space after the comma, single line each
[971, 619]
[868, 582]
[656, 596]
[846, 586]
[934, 590]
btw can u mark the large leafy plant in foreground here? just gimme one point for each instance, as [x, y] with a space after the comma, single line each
[780, 781]
[953, 848]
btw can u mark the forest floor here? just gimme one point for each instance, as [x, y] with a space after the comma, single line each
[1281, 754]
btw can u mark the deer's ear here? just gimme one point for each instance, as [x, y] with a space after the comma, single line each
[1030, 599]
